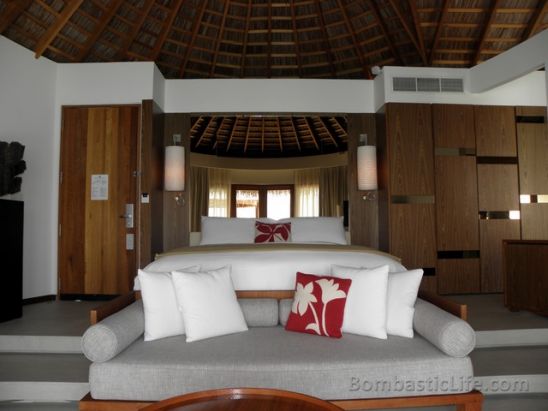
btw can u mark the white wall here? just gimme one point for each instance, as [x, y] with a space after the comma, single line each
[275, 96]
[27, 95]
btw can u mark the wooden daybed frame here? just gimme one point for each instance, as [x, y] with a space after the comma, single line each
[471, 401]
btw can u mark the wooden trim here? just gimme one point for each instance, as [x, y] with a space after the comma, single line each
[452, 307]
[103, 311]
[278, 294]
[39, 299]
[471, 401]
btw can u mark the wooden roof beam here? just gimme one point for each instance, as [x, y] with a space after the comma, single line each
[229, 133]
[262, 135]
[56, 27]
[311, 133]
[418, 30]
[122, 52]
[105, 20]
[12, 10]
[330, 131]
[269, 41]
[536, 18]
[395, 52]
[211, 119]
[246, 36]
[280, 134]
[219, 38]
[441, 21]
[487, 24]
[192, 38]
[296, 133]
[409, 32]
[325, 38]
[166, 28]
[297, 42]
[366, 68]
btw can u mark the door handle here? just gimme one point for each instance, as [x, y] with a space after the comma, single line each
[128, 216]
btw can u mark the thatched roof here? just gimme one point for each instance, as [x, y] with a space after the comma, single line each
[272, 38]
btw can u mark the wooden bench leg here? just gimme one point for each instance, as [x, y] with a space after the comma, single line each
[472, 405]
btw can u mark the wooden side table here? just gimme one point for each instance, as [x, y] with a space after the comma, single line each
[243, 399]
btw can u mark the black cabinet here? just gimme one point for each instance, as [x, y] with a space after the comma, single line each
[11, 259]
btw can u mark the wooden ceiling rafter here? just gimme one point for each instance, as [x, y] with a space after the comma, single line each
[328, 51]
[45, 40]
[418, 30]
[195, 29]
[280, 134]
[296, 37]
[331, 134]
[412, 36]
[246, 34]
[312, 135]
[395, 52]
[147, 6]
[291, 120]
[219, 38]
[108, 14]
[437, 35]
[489, 19]
[11, 12]
[211, 119]
[269, 41]
[166, 29]
[538, 14]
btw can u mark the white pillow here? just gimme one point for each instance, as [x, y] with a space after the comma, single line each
[401, 296]
[403, 288]
[365, 310]
[221, 230]
[208, 303]
[162, 315]
[317, 230]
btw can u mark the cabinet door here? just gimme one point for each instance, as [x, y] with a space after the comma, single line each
[453, 126]
[495, 131]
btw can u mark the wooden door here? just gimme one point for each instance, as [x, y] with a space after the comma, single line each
[98, 178]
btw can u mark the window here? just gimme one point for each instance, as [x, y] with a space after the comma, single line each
[254, 201]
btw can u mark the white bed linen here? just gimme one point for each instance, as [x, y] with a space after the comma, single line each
[273, 269]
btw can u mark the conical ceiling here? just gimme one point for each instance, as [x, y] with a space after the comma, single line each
[272, 39]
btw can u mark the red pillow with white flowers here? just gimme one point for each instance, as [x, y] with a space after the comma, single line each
[272, 233]
[318, 305]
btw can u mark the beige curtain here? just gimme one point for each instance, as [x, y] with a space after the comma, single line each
[199, 196]
[333, 191]
[219, 192]
[307, 192]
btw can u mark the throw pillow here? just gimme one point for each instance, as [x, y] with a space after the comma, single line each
[365, 312]
[208, 304]
[162, 315]
[272, 233]
[318, 305]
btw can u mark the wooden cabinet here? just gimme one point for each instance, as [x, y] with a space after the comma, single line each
[406, 179]
[526, 274]
[495, 131]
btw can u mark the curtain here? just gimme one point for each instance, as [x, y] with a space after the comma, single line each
[333, 191]
[199, 196]
[307, 193]
[219, 192]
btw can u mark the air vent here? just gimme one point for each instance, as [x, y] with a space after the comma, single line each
[428, 84]
[404, 83]
[452, 85]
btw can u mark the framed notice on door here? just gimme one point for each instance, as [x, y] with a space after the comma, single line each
[99, 187]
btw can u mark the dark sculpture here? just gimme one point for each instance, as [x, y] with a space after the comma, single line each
[11, 165]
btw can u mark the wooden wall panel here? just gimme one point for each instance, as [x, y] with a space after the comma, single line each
[453, 126]
[177, 216]
[71, 255]
[495, 131]
[456, 203]
[533, 158]
[498, 187]
[410, 149]
[492, 232]
[534, 221]
[363, 215]
[458, 276]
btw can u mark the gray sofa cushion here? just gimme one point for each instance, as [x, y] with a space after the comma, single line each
[260, 312]
[106, 339]
[285, 309]
[450, 334]
[346, 368]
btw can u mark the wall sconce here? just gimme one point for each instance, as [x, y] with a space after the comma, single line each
[367, 169]
[174, 171]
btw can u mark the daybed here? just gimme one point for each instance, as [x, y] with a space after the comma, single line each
[355, 372]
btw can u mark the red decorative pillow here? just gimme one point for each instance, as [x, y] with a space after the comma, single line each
[318, 305]
[272, 233]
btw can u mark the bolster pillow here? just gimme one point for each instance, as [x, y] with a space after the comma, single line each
[449, 333]
[285, 309]
[260, 312]
[108, 338]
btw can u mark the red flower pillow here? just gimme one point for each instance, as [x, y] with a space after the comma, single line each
[318, 305]
[272, 233]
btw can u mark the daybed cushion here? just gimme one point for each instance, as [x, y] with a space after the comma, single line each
[260, 312]
[106, 339]
[450, 334]
[274, 358]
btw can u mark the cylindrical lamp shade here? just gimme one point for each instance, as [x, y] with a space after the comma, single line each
[367, 168]
[174, 169]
